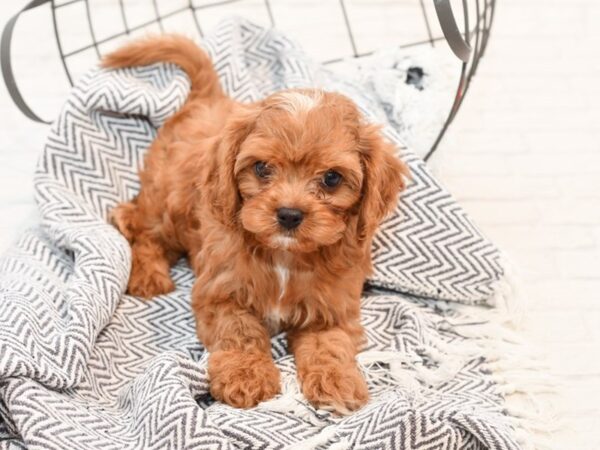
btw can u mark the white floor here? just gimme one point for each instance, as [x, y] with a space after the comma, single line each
[523, 156]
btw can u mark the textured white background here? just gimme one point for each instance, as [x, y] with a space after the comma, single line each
[523, 157]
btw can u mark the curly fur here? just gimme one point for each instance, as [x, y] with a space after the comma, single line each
[200, 197]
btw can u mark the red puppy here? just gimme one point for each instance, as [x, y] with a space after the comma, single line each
[275, 204]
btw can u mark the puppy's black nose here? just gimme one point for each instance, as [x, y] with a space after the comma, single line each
[289, 218]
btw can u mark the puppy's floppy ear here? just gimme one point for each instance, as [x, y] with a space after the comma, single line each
[224, 194]
[384, 178]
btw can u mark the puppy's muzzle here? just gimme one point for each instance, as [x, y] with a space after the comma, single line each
[289, 218]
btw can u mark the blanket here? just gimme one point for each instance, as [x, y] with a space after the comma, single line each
[84, 366]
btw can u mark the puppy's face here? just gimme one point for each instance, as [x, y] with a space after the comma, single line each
[302, 171]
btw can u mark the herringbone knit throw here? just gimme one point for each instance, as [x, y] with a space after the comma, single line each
[83, 366]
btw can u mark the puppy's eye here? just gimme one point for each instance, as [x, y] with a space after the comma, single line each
[262, 169]
[332, 179]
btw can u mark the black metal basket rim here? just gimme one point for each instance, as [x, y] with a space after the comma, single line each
[459, 43]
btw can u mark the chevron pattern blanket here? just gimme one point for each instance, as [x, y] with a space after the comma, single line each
[84, 366]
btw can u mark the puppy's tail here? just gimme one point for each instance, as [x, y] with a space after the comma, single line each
[174, 49]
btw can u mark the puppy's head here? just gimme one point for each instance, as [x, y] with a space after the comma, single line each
[300, 169]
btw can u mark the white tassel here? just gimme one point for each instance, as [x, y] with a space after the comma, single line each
[512, 363]
[492, 331]
[530, 384]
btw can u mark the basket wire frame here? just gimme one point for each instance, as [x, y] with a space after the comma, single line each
[482, 11]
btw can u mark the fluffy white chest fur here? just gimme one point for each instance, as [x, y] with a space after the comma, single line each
[283, 275]
[274, 317]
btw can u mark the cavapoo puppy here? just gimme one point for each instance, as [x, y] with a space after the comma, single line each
[275, 204]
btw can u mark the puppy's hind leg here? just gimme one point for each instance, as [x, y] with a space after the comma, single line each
[150, 260]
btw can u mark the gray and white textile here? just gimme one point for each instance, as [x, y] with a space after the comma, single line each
[84, 366]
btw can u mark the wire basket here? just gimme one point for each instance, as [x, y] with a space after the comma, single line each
[84, 30]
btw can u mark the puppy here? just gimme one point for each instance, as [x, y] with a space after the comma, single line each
[275, 204]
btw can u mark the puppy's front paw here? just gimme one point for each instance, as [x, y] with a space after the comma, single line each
[147, 281]
[242, 379]
[331, 386]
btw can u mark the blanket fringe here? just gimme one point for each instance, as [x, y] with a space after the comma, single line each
[518, 368]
